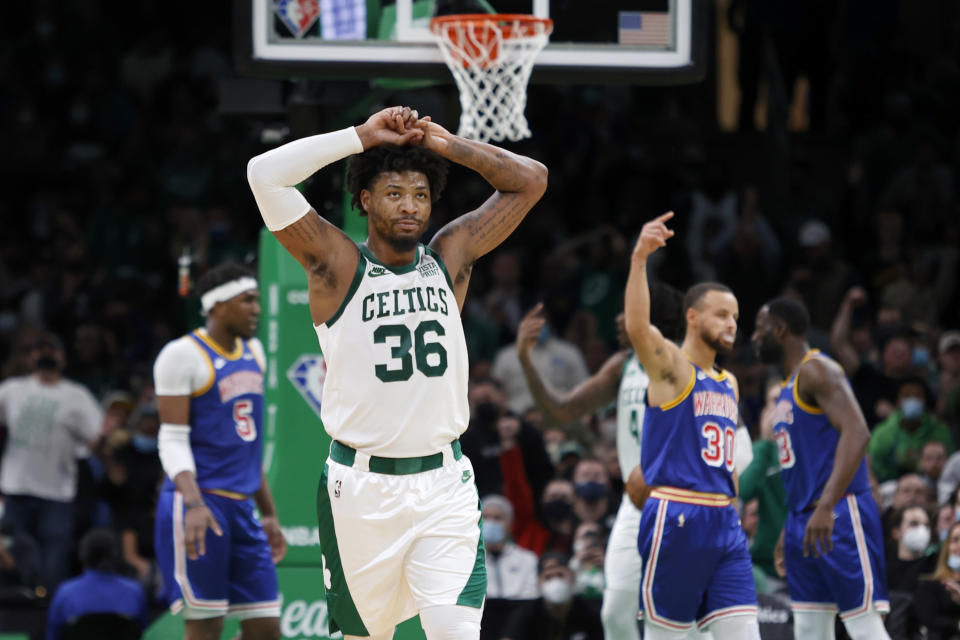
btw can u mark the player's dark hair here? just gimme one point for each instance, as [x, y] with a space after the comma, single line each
[220, 274]
[365, 167]
[666, 311]
[793, 313]
[696, 293]
[99, 550]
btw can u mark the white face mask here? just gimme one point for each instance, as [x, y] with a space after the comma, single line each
[916, 539]
[558, 590]
[953, 562]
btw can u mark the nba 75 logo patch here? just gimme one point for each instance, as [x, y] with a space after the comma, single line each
[336, 488]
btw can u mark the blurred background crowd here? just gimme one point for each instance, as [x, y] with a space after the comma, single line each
[837, 183]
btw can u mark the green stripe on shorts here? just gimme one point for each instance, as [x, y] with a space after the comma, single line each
[343, 612]
[476, 587]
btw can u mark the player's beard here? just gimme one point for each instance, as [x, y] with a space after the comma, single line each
[714, 342]
[768, 350]
[402, 244]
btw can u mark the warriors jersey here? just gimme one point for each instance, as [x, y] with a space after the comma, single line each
[689, 441]
[631, 405]
[807, 445]
[396, 356]
[226, 416]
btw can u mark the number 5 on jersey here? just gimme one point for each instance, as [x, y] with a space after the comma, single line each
[246, 427]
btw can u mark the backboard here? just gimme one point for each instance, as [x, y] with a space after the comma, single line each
[594, 41]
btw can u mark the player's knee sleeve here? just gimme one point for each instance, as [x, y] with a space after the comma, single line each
[869, 626]
[814, 624]
[451, 622]
[736, 628]
[619, 614]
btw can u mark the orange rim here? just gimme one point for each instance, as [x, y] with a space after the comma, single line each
[512, 25]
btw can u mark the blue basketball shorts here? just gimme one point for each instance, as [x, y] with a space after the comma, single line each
[697, 568]
[236, 575]
[852, 577]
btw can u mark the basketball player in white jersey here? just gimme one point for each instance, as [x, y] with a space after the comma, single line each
[623, 379]
[398, 506]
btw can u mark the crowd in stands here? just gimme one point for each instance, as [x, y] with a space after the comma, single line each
[120, 159]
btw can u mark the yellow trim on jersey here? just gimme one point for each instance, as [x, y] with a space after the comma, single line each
[686, 392]
[213, 374]
[237, 349]
[233, 495]
[796, 394]
[688, 496]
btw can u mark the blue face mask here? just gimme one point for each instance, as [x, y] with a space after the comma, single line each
[591, 491]
[920, 357]
[912, 408]
[144, 444]
[493, 532]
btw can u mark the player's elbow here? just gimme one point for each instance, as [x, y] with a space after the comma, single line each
[537, 174]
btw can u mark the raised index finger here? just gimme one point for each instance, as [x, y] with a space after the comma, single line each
[664, 217]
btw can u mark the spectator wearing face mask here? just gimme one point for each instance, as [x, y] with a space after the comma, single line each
[938, 596]
[933, 458]
[897, 442]
[557, 614]
[511, 570]
[945, 518]
[587, 562]
[908, 559]
[47, 417]
[555, 531]
[592, 486]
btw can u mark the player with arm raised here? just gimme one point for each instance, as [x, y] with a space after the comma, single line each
[697, 570]
[398, 507]
[217, 559]
[621, 378]
[833, 539]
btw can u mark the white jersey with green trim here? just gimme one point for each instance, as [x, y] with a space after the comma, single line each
[631, 406]
[396, 356]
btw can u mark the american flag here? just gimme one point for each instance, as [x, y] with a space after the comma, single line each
[644, 27]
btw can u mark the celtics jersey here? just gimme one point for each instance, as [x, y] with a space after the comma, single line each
[631, 402]
[396, 356]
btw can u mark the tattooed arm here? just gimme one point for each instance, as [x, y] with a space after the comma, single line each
[519, 182]
[663, 361]
[326, 253]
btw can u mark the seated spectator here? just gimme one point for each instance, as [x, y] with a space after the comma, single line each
[911, 491]
[555, 532]
[511, 570]
[909, 559]
[938, 596]
[933, 458]
[592, 486]
[949, 479]
[589, 545]
[945, 518]
[897, 441]
[949, 383]
[557, 614]
[100, 589]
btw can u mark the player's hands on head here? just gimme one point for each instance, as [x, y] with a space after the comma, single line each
[278, 545]
[196, 521]
[818, 536]
[435, 138]
[529, 329]
[393, 125]
[653, 235]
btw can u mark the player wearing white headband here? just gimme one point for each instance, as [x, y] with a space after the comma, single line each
[216, 557]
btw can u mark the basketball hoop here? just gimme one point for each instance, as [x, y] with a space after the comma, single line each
[491, 56]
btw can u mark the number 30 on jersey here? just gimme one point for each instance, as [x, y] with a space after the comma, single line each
[719, 449]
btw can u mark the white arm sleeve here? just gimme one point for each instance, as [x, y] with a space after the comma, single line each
[272, 174]
[180, 369]
[173, 445]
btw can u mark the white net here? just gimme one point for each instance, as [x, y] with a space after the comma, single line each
[491, 59]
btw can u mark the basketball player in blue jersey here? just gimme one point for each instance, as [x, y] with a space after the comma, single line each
[621, 378]
[833, 539]
[697, 570]
[398, 508]
[217, 558]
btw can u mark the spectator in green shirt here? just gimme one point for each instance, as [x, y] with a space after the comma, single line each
[762, 480]
[897, 442]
